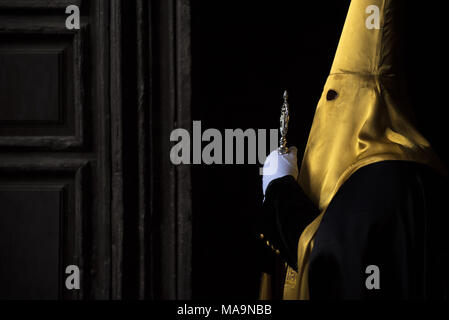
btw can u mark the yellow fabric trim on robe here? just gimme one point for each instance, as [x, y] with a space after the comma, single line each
[365, 124]
[265, 292]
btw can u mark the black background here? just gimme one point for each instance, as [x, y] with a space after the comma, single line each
[245, 53]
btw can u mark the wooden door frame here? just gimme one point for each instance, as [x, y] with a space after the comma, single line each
[163, 102]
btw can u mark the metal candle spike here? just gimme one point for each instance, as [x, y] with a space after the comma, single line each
[285, 117]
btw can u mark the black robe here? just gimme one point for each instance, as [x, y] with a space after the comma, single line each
[390, 214]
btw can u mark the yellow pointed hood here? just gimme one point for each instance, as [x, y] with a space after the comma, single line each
[361, 118]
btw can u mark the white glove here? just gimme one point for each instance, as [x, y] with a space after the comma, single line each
[279, 165]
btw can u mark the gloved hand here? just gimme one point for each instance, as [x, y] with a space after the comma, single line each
[279, 165]
[286, 209]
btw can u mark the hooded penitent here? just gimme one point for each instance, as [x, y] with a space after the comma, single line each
[360, 119]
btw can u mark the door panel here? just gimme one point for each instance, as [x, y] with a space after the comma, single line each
[53, 154]
[32, 212]
[41, 83]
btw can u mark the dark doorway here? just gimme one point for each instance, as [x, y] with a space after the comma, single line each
[245, 53]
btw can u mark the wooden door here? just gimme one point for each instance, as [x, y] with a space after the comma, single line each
[54, 150]
[85, 175]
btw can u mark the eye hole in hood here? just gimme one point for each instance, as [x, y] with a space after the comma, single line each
[331, 95]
